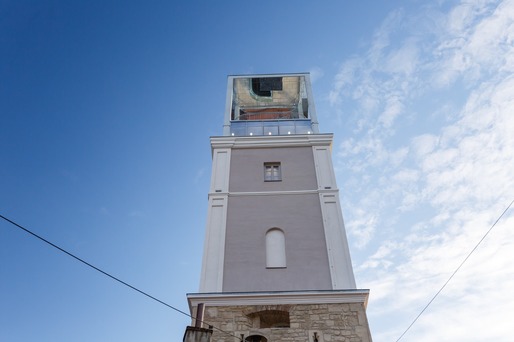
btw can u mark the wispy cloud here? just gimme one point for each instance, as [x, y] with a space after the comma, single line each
[429, 167]
[316, 73]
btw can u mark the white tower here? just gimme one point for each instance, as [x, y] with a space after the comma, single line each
[276, 264]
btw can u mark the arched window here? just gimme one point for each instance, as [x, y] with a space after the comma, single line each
[275, 248]
[256, 338]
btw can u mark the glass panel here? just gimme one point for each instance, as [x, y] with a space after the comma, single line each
[286, 127]
[275, 127]
[254, 128]
[303, 127]
[238, 128]
[267, 172]
[275, 172]
[270, 128]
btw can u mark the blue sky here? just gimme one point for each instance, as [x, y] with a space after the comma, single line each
[106, 109]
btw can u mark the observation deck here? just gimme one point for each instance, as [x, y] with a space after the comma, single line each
[277, 104]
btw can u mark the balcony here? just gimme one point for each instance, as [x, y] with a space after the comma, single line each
[270, 127]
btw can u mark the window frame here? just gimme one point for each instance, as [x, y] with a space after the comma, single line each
[272, 172]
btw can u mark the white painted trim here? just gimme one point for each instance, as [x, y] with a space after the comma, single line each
[211, 279]
[324, 168]
[278, 298]
[341, 271]
[339, 259]
[220, 170]
[295, 140]
[273, 193]
[269, 75]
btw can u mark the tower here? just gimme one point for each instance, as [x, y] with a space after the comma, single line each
[276, 264]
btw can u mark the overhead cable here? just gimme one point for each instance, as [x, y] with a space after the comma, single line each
[111, 276]
[454, 272]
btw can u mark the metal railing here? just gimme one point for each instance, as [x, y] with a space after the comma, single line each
[270, 127]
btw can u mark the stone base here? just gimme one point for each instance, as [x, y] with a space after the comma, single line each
[281, 317]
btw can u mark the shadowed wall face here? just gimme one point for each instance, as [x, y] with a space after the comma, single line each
[296, 163]
[256, 206]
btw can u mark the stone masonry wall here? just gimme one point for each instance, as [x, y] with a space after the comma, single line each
[331, 323]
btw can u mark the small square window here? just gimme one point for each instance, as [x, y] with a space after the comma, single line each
[272, 172]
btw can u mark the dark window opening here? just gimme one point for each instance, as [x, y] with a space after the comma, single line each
[264, 85]
[256, 338]
[274, 319]
[271, 319]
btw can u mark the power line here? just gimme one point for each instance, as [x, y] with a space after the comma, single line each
[111, 276]
[225, 332]
[454, 272]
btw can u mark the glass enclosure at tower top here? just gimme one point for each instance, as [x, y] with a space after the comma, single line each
[278, 104]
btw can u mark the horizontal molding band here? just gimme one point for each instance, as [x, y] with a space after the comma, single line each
[275, 193]
[269, 298]
[295, 140]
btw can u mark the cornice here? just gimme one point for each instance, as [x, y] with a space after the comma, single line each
[269, 298]
[295, 140]
[269, 75]
[274, 193]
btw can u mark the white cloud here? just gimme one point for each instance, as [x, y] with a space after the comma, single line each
[381, 256]
[479, 42]
[403, 60]
[382, 37]
[420, 189]
[424, 144]
[316, 73]
[393, 109]
[343, 78]
[362, 228]
[398, 156]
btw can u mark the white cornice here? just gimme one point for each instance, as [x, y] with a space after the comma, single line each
[274, 193]
[296, 140]
[269, 75]
[269, 298]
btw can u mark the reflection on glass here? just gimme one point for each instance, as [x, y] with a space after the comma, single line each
[279, 127]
